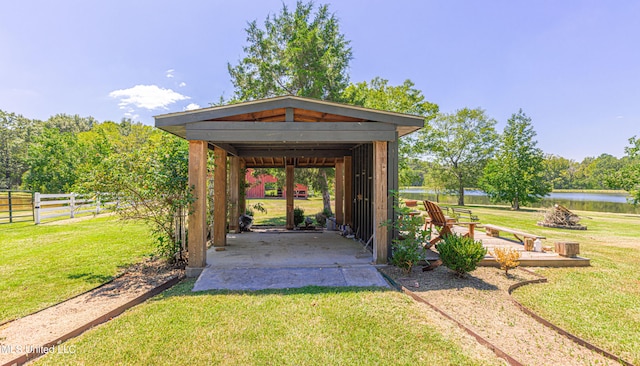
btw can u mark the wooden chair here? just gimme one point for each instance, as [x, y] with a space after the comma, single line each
[443, 223]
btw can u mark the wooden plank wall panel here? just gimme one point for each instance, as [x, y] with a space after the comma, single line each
[361, 192]
[348, 191]
[289, 171]
[339, 194]
[234, 194]
[220, 201]
[243, 185]
[393, 186]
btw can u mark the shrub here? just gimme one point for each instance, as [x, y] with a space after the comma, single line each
[321, 219]
[298, 216]
[460, 253]
[407, 248]
[507, 257]
[406, 253]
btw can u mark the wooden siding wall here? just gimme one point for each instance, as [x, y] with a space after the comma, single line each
[362, 191]
[392, 185]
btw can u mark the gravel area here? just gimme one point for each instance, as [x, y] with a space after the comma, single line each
[481, 302]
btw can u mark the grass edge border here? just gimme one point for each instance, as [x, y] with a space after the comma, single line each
[22, 359]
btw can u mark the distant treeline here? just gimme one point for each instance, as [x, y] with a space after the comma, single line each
[49, 156]
[55, 155]
[562, 173]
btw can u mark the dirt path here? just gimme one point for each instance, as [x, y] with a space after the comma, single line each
[40, 332]
[481, 302]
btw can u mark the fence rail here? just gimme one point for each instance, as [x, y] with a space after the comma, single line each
[48, 206]
[16, 206]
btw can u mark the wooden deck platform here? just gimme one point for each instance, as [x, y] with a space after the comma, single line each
[527, 259]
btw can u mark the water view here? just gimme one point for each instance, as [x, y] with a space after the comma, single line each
[601, 202]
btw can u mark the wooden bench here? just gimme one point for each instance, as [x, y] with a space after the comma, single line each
[463, 211]
[494, 231]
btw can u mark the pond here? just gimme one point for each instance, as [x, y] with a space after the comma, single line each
[585, 201]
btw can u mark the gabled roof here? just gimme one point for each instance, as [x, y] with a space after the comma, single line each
[289, 127]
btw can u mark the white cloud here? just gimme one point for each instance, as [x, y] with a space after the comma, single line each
[182, 84]
[192, 106]
[147, 96]
[170, 73]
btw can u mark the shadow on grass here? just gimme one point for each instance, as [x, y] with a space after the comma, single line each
[90, 277]
[273, 221]
[184, 289]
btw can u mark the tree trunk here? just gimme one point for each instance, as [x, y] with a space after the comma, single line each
[326, 197]
[515, 204]
[460, 194]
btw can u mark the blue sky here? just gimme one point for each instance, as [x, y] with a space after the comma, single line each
[572, 66]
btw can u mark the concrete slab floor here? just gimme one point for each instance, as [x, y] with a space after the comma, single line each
[264, 260]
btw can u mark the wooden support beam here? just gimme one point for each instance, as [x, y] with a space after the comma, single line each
[320, 134]
[243, 186]
[220, 201]
[290, 193]
[234, 194]
[339, 185]
[197, 246]
[348, 191]
[380, 212]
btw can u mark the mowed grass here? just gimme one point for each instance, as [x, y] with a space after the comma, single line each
[308, 326]
[41, 265]
[276, 209]
[600, 303]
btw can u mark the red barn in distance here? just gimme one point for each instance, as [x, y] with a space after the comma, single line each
[266, 186]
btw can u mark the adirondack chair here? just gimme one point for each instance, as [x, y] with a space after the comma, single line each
[443, 223]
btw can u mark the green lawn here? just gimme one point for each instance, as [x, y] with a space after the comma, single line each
[276, 209]
[601, 303]
[44, 264]
[318, 326]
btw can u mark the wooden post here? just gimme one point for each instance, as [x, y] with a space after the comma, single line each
[289, 190]
[339, 183]
[36, 207]
[72, 205]
[380, 213]
[348, 191]
[220, 194]
[197, 243]
[234, 195]
[243, 186]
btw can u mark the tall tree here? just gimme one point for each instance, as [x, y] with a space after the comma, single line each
[16, 135]
[628, 177]
[67, 123]
[54, 160]
[461, 143]
[404, 98]
[299, 53]
[560, 172]
[517, 173]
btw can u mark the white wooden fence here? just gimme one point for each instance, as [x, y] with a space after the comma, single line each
[48, 206]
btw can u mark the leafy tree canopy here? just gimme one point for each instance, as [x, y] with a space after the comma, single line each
[516, 174]
[405, 98]
[628, 177]
[462, 143]
[299, 53]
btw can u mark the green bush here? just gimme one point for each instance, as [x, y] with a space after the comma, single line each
[460, 253]
[406, 253]
[408, 247]
[298, 216]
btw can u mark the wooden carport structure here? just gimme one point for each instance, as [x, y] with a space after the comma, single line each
[289, 132]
